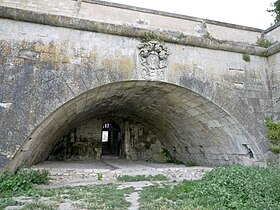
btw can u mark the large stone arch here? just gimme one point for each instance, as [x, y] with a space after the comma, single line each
[45, 76]
[190, 126]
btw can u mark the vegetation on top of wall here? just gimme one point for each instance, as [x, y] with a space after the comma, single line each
[246, 57]
[262, 42]
[264, 53]
[275, 11]
[146, 37]
[273, 134]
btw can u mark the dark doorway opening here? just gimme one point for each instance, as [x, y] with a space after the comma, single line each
[111, 139]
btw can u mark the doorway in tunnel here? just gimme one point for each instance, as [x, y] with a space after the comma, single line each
[152, 117]
[111, 139]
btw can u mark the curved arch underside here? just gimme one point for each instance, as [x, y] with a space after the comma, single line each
[199, 130]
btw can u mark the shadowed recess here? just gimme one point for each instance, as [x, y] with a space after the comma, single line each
[191, 127]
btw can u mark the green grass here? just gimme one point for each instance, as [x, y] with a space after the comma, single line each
[166, 197]
[234, 187]
[99, 196]
[137, 178]
[21, 182]
[4, 202]
[38, 205]
[88, 197]
[237, 187]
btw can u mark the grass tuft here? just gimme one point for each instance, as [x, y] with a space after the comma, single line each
[137, 178]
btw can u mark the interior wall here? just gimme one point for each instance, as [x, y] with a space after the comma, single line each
[82, 143]
[141, 143]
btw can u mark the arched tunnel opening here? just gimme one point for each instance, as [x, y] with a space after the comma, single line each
[142, 119]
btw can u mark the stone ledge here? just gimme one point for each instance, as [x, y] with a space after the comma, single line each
[169, 14]
[175, 37]
[273, 49]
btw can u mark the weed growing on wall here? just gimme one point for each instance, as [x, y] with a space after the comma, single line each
[273, 134]
[263, 42]
[146, 37]
[169, 158]
[246, 57]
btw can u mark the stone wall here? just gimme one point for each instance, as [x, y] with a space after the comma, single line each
[82, 143]
[204, 102]
[138, 17]
[44, 67]
[274, 74]
[141, 144]
[273, 33]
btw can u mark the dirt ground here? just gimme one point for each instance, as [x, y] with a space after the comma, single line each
[106, 171]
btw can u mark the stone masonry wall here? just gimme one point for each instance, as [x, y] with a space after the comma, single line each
[141, 144]
[82, 143]
[44, 67]
[138, 17]
[273, 33]
[58, 69]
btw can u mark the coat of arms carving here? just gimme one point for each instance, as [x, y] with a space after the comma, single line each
[153, 57]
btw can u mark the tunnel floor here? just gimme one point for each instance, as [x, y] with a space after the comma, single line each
[106, 170]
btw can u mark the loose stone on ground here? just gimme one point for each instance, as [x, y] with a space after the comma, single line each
[106, 171]
[75, 173]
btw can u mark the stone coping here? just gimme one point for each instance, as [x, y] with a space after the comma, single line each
[169, 14]
[272, 28]
[176, 37]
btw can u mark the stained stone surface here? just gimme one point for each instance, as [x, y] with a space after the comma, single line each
[61, 67]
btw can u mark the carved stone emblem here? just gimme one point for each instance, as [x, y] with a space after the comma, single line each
[153, 57]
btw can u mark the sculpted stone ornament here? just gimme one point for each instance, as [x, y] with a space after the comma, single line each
[153, 56]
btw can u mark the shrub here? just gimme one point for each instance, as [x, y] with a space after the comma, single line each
[273, 134]
[237, 187]
[21, 181]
